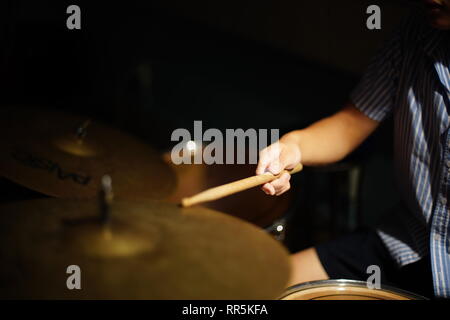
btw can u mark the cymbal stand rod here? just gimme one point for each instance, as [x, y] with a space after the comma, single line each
[82, 129]
[106, 199]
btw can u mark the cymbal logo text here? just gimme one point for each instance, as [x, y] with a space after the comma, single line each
[36, 162]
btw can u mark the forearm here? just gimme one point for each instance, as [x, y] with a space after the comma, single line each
[333, 138]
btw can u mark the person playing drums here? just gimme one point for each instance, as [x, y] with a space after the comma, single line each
[410, 79]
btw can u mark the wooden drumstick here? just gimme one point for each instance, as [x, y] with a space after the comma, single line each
[234, 187]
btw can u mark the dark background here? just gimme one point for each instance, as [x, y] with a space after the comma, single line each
[149, 67]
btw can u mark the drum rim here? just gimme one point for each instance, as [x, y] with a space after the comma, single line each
[345, 282]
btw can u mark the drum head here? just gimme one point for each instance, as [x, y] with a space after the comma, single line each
[345, 290]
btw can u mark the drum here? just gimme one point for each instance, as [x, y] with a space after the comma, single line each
[345, 290]
[251, 205]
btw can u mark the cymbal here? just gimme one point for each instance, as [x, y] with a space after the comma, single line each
[148, 250]
[65, 156]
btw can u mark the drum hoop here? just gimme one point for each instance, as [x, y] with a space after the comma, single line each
[343, 283]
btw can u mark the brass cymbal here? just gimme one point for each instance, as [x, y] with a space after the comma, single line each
[148, 250]
[65, 156]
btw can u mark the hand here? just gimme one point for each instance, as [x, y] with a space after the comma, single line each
[274, 159]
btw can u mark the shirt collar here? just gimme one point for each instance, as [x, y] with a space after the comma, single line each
[436, 44]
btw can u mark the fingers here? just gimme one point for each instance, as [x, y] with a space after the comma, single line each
[281, 184]
[263, 163]
[268, 189]
[267, 157]
[278, 186]
[279, 193]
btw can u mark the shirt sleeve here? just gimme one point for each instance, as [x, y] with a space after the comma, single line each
[375, 94]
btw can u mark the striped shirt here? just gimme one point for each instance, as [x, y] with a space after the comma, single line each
[409, 79]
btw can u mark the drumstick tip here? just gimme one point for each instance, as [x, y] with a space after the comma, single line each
[184, 202]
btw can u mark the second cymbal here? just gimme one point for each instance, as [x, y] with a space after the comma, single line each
[65, 156]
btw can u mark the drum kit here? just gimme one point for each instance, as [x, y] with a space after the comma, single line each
[345, 290]
[111, 207]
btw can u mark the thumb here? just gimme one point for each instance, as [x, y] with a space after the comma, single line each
[275, 167]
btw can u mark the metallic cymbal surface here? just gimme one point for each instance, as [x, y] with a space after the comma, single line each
[41, 151]
[149, 250]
